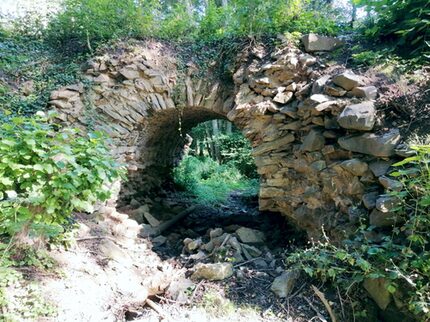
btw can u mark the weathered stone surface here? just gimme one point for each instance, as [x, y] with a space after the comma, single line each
[358, 117]
[348, 80]
[250, 236]
[386, 203]
[274, 145]
[382, 219]
[369, 200]
[283, 97]
[377, 289]
[334, 91]
[355, 166]
[313, 42]
[380, 167]
[380, 145]
[313, 141]
[390, 184]
[318, 85]
[367, 92]
[213, 272]
[283, 285]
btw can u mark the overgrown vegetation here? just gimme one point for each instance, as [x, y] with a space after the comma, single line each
[219, 163]
[401, 256]
[46, 174]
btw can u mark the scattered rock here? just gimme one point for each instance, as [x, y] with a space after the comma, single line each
[367, 92]
[313, 42]
[380, 145]
[213, 272]
[377, 289]
[250, 236]
[355, 166]
[369, 200]
[159, 240]
[358, 117]
[250, 251]
[318, 85]
[382, 219]
[387, 203]
[284, 97]
[214, 233]
[283, 285]
[379, 168]
[390, 184]
[348, 80]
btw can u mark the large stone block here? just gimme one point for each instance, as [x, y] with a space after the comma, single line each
[358, 117]
[380, 145]
[313, 42]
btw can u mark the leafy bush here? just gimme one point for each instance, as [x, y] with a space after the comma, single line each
[46, 174]
[401, 256]
[209, 181]
[404, 22]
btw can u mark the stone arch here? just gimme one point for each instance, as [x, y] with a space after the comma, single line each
[316, 141]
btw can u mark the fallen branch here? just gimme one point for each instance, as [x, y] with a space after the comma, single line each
[325, 302]
[157, 308]
[158, 230]
[315, 309]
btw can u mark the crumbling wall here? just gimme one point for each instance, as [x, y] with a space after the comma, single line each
[318, 145]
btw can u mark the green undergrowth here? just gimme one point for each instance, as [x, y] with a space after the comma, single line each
[21, 298]
[210, 182]
[399, 255]
[30, 70]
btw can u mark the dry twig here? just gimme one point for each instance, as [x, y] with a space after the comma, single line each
[325, 302]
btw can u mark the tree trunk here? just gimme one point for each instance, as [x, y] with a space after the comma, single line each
[229, 129]
[215, 131]
[353, 14]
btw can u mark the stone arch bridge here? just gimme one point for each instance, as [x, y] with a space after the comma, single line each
[317, 142]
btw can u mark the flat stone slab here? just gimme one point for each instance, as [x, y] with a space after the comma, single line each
[379, 145]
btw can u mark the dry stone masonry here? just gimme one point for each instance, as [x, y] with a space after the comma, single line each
[322, 156]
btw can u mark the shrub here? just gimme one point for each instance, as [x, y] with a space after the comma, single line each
[209, 181]
[401, 256]
[47, 174]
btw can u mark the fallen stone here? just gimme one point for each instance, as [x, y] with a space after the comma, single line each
[382, 219]
[194, 245]
[307, 60]
[216, 232]
[358, 117]
[179, 289]
[283, 98]
[348, 80]
[313, 141]
[387, 203]
[367, 92]
[316, 99]
[250, 251]
[213, 272]
[313, 42]
[369, 200]
[129, 73]
[377, 289]
[355, 166]
[250, 236]
[405, 151]
[380, 145]
[390, 184]
[283, 285]
[379, 168]
[334, 91]
[159, 240]
[318, 85]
